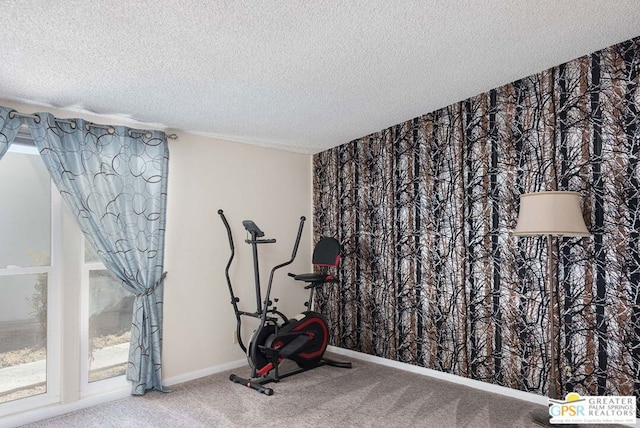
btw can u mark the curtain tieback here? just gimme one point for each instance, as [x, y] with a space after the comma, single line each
[149, 291]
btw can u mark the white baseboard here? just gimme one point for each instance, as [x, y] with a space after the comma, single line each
[489, 387]
[174, 380]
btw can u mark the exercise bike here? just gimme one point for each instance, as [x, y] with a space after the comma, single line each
[302, 339]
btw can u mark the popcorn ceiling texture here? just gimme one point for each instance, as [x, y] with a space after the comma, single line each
[297, 75]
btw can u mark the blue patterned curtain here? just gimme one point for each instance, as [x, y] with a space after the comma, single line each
[115, 182]
[8, 129]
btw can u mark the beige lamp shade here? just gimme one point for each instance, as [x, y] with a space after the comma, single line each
[550, 213]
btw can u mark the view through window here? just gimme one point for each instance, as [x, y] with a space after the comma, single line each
[110, 309]
[25, 269]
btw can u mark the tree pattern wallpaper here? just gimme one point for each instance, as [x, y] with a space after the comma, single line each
[431, 274]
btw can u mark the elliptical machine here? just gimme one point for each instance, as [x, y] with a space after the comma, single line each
[302, 339]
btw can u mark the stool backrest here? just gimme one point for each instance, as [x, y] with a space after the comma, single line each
[327, 252]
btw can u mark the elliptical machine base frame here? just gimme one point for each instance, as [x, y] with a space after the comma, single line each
[257, 384]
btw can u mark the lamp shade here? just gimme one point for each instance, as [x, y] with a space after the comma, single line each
[550, 213]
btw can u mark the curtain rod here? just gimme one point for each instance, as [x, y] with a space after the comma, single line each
[110, 129]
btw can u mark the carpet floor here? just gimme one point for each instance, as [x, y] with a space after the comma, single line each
[368, 395]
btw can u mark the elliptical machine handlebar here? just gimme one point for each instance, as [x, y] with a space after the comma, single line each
[287, 263]
[226, 226]
[295, 246]
[234, 299]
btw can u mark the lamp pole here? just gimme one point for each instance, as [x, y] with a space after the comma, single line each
[553, 301]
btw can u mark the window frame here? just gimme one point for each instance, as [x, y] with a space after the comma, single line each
[99, 386]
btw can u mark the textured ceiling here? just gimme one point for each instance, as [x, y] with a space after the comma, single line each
[292, 74]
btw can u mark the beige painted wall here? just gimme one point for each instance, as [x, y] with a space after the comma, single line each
[271, 187]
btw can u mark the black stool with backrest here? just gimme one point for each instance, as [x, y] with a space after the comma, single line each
[326, 254]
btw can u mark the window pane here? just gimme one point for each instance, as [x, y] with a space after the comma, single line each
[26, 227]
[90, 255]
[110, 312]
[23, 336]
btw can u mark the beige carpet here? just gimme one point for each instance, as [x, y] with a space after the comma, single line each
[368, 395]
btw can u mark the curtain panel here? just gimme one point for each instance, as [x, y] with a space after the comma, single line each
[9, 128]
[116, 185]
[114, 180]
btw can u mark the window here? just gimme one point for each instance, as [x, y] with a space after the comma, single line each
[41, 297]
[29, 292]
[109, 308]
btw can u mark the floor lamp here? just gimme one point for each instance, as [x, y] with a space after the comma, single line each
[551, 214]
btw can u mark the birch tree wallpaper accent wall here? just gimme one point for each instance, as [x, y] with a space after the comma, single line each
[431, 275]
